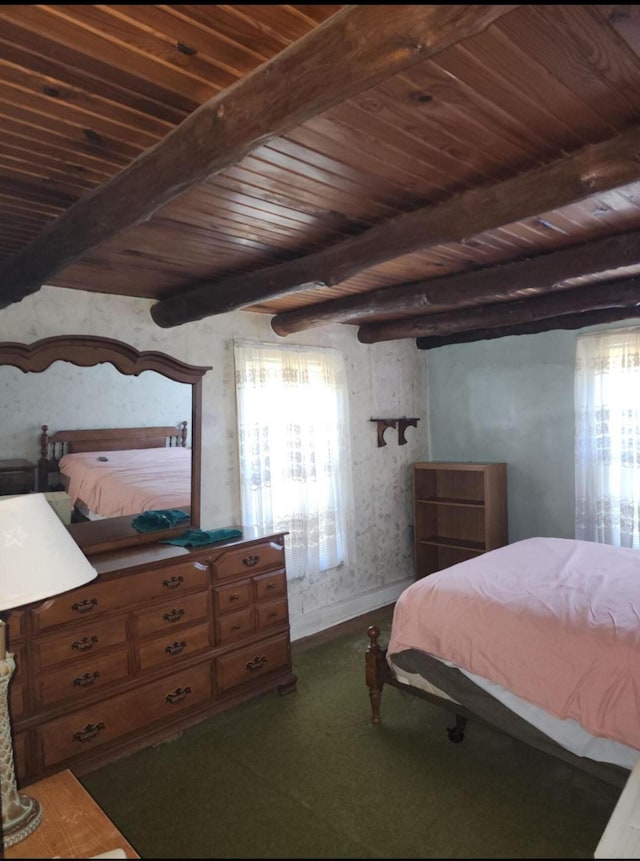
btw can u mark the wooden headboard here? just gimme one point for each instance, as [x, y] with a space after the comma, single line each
[54, 446]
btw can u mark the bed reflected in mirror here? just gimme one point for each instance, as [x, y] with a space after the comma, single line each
[107, 432]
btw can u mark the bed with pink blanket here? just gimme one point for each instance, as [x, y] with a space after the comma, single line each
[540, 638]
[115, 472]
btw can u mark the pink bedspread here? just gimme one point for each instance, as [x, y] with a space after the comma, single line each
[129, 481]
[553, 620]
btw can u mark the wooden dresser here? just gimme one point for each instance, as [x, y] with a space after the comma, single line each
[163, 638]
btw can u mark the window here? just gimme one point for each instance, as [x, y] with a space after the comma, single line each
[293, 440]
[607, 458]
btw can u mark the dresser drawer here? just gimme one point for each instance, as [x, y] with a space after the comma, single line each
[121, 593]
[248, 560]
[92, 638]
[182, 610]
[17, 704]
[98, 725]
[270, 586]
[249, 664]
[233, 597]
[73, 681]
[270, 615]
[232, 627]
[169, 649]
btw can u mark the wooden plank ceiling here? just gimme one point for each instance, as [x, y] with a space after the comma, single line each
[440, 173]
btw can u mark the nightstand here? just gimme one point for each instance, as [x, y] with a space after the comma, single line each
[16, 476]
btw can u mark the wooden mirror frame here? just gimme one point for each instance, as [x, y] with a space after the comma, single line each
[89, 350]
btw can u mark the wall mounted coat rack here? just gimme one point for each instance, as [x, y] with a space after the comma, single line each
[402, 424]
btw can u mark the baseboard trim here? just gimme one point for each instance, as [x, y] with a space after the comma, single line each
[328, 617]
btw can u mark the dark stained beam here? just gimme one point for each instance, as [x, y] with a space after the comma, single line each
[612, 294]
[492, 284]
[351, 51]
[594, 169]
[566, 321]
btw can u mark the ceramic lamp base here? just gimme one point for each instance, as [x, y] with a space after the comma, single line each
[21, 815]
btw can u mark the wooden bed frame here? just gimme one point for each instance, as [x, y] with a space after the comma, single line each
[379, 674]
[54, 446]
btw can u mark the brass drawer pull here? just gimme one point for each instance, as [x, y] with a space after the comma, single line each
[273, 614]
[250, 561]
[90, 732]
[84, 644]
[236, 627]
[257, 663]
[177, 696]
[173, 615]
[234, 597]
[86, 680]
[173, 582]
[271, 585]
[176, 648]
[85, 606]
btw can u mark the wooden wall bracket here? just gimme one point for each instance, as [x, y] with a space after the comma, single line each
[402, 424]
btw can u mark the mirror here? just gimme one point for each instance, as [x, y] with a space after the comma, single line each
[87, 382]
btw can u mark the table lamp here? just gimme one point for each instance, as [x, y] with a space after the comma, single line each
[38, 559]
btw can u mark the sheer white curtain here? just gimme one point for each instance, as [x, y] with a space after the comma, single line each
[607, 455]
[294, 449]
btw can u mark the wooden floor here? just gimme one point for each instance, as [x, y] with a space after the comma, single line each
[352, 626]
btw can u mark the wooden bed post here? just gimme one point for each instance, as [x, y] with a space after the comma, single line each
[375, 663]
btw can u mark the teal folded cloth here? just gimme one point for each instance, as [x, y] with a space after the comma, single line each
[150, 521]
[202, 537]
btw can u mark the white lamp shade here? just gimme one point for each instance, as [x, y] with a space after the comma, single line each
[38, 557]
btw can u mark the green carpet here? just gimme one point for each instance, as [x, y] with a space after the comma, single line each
[308, 776]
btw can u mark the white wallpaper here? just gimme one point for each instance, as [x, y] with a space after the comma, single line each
[385, 380]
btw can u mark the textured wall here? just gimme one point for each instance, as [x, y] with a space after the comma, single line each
[511, 399]
[386, 380]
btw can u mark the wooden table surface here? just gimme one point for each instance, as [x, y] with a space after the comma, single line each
[73, 825]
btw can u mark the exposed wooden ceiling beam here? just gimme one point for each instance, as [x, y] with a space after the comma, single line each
[353, 50]
[612, 294]
[566, 321]
[492, 284]
[595, 168]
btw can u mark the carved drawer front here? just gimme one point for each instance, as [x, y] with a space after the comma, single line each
[170, 614]
[80, 733]
[168, 649]
[73, 680]
[90, 639]
[80, 604]
[17, 704]
[248, 560]
[164, 582]
[233, 597]
[250, 663]
[15, 629]
[20, 754]
[270, 586]
[232, 627]
[272, 614]
[121, 593]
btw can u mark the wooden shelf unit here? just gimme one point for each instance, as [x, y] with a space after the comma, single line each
[460, 511]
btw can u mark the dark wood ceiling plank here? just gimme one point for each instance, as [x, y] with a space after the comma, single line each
[132, 50]
[620, 294]
[55, 111]
[571, 42]
[50, 37]
[69, 73]
[594, 168]
[493, 284]
[381, 41]
[176, 27]
[59, 95]
[41, 165]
